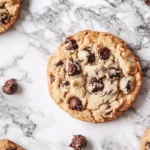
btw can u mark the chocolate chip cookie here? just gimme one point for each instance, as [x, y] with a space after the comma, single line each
[94, 76]
[9, 12]
[145, 141]
[9, 145]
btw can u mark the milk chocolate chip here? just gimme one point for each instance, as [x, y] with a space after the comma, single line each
[75, 104]
[78, 142]
[10, 86]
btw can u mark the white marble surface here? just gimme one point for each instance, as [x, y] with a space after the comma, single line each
[30, 118]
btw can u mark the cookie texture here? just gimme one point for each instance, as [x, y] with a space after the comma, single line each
[9, 145]
[9, 12]
[94, 76]
[145, 140]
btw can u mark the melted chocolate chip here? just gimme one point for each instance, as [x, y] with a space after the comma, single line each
[52, 77]
[91, 57]
[114, 73]
[71, 44]
[147, 146]
[147, 2]
[64, 83]
[97, 85]
[75, 104]
[10, 86]
[60, 63]
[4, 18]
[104, 53]
[73, 68]
[78, 142]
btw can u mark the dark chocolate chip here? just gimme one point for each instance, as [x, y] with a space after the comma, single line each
[104, 53]
[96, 84]
[147, 146]
[114, 73]
[60, 63]
[91, 58]
[75, 103]
[128, 86]
[4, 18]
[10, 86]
[78, 142]
[71, 44]
[64, 83]
[147, 2]
[52, 77]
[73, 68]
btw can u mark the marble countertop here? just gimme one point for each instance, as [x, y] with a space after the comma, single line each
[30, 118]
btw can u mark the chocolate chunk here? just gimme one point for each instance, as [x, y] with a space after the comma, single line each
[114, 73]
[75, 104]
[4, 18]
[52, 77]
[78, 142]
[60, 63]
[10, 86]
[104, 53]
[71, 44]
[73, 68]
[64, 83]
[95, 85]
[147, 2]
[147, 146]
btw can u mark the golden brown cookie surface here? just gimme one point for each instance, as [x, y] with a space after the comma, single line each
[9, 145]
[94, 76]
[9, 12]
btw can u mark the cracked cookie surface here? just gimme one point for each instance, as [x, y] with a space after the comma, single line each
[9, 12]
[9, 145]
[94, 76]
[145, 140]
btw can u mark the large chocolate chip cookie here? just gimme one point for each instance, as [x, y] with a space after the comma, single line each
[94, 76]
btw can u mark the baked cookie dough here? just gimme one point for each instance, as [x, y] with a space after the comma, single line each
[94, 76]
[9, 12]
[9, 145]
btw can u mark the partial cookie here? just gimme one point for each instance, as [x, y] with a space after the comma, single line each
[9, 12]
[9, 145]
[94, 76]
[145, 140]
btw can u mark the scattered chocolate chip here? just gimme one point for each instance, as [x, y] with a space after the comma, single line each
[71, 44]
[64, 83]
[104, 53]
[147, 146]
[52, 77]
[73, 68]
[4, 18]
[60, 63]
[10, 86]
[78, 142]
[95, 84]
[114, 73]
[11, 148]
[147, 2]
[75, 103]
